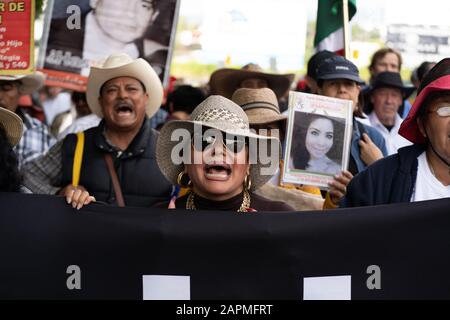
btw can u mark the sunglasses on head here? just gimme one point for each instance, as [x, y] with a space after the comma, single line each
[206, 140]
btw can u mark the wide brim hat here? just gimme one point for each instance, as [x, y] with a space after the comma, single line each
[122, 65]
[30, 82]
[12, 124]
[437, 79]
[225, 81]
[387, 79]
[219, 113]
[260, 105]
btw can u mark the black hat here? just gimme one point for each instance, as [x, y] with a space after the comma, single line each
[338, 67]
[315, 60]
[389, 79]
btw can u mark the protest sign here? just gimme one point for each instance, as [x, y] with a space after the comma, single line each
[16, 37]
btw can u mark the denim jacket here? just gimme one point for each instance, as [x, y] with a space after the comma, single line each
[358, 129]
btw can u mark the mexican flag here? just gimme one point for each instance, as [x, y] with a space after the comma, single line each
[329, 25]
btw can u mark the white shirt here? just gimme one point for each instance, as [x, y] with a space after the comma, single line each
[427, 186]
[54, 106]
[393, 140]
[81, 124]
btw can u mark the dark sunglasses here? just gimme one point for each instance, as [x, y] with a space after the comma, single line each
[233, 143]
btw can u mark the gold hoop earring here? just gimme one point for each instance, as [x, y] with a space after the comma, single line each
[247, 182]
[180, 180]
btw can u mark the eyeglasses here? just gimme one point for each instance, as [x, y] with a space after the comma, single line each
[443, 111]
[234, 144]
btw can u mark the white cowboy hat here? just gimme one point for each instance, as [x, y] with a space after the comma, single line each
[30, 82]
[12, 124]
[122, 65]
[219, 113]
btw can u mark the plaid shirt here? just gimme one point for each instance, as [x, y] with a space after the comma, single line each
[158, 118]
[35, 139]
[44, 174]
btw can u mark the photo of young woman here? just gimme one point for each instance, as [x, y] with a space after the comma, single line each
[317, 143]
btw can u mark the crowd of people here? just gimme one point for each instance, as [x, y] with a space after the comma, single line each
[124, 142]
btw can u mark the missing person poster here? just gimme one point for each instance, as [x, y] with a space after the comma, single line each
[16, 37]
[80, 34]
[318, 139]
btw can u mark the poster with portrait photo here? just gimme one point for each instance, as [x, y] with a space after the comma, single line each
[318, 139]
[79, 34]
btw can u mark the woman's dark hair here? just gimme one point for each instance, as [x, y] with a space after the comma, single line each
[10, 178]
[423, 69]
[185, 98]
[302, 122]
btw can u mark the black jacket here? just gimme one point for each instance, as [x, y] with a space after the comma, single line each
[389, 180]
[140, 178]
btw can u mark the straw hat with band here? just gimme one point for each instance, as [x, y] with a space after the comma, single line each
[388, 79]
[12, 124]
[260, 105]
[29, 83]
[225, 81]
[122, 65]
[219, 113]
[437, 79]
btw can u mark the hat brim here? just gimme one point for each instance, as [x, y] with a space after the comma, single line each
[12, 124]
[333, 76]
[225, 82]
[409, 128]
[264, 116]
[139, 69]
[30, 82]
[406, 91]
[171, 171]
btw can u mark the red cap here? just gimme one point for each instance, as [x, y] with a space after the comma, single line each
[409, 128]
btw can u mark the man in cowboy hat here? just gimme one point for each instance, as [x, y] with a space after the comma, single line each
[385, 97]
[421, 171]
[36, 138]
[125, 93]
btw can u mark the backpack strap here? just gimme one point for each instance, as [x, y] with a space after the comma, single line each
[78, 159]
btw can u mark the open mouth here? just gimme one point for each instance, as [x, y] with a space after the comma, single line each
[217, 171]
[123, 108]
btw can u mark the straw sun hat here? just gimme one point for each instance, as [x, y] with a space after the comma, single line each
[12, 124]
[122, 65]
[219, 113]
[260, 105]
[30, 82]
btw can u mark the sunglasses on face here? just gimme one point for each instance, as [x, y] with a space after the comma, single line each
[204, 141]
[443, 111]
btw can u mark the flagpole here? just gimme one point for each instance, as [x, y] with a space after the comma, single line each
[346, 24]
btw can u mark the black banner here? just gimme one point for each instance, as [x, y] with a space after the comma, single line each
[49, 250]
